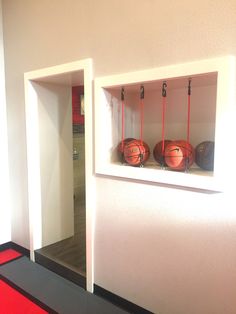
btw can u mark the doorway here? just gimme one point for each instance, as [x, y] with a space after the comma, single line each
[60, 212]
[68, 256]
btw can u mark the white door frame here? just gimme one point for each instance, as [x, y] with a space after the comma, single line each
[65, 74]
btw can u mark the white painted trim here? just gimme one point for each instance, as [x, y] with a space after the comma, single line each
[90, 177]
[32, 130]
[33, 163]
[59, 70]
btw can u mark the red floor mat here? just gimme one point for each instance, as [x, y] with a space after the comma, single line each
[7, 255]
[13, 302]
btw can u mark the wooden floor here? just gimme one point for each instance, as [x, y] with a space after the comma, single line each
[71, 252]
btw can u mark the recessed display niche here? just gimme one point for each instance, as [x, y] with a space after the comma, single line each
[197, 108]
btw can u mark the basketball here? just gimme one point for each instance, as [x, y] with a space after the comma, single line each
[157, 152]
[136, 153]
[205, 155]
[179, 155]
[120, 148]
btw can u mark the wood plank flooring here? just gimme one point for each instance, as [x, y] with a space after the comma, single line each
[71, 252]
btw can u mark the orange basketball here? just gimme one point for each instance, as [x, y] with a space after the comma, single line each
[179, 155]
[157, 152]
[120, 148]
[136, 153]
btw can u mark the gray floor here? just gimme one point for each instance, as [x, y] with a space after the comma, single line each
[54, 291]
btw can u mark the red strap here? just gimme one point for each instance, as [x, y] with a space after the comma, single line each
[141, 111]
[189, 105]
[188, 122]
[123, 124]
[163, 125]
[122, 118]
[141, 119]
[164, 85]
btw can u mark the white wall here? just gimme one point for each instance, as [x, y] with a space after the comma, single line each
[17, 150]
[5, 217]
[168, 250]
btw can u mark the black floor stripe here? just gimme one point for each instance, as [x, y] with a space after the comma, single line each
[61, 270]
[117, 300]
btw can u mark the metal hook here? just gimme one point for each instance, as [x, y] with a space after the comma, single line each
[142, 92]
[189, 86]
[164, 85]
[122, 94]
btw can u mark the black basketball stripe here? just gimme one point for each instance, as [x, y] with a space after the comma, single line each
[188, 150]
[131, 156]
[176, 156]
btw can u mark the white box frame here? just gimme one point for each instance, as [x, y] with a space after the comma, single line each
[224, 123]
